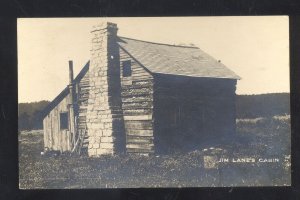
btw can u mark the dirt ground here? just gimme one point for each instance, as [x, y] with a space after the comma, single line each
[259, 138]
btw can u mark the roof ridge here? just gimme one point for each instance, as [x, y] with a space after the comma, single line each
[172, 45]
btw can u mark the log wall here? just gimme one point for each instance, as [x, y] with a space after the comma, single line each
[82, 91]
[82, 100]
[190, 112]
[137, 105]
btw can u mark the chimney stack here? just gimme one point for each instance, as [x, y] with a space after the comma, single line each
[104, 111]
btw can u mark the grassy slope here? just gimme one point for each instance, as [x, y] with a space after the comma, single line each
[255, 138]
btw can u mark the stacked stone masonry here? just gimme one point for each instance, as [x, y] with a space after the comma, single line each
[104, 114]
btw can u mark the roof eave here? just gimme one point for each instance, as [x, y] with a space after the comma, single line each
[236, 77]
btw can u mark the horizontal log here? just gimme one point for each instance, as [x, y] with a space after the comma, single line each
[140, 69]
[137, 112]
[144, 98]
[84, 89]
[81, 98]
[83, 94]
[84, 83]
[141, 77]
[138, 151]
[137, 107]
[140, 74]
[140, 146]
[138, 139]
[124, 56]
[82, 102]
[140, 86]
[85, 79]
[81, 115]
[139, 125]
[146, 104]
[143, 82]
[141, 91]
[139, 117]
[139, 132]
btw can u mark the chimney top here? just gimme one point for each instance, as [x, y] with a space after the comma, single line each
[111, 27]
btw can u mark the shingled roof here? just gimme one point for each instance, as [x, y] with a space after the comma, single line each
[175, 60]
[163, 59]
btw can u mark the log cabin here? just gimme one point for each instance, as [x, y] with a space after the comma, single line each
[141, 97]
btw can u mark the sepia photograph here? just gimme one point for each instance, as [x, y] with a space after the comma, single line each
[153, 102]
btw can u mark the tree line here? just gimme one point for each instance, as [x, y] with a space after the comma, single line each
[29, 115]
[247, 106]
[262, 105]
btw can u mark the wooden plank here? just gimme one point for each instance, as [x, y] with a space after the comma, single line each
[139, 117]
[139, 132]
[139, 86]
[84, 81]
[142, 91]
[148, 82]
[140, 70]
[141, 98]
[137, 112]
[131, 150]
[84, 90]
[140, 146]
[142, 78]
[138, 139]
[136, 73]
[139, 125]
[134, 105]
[130, 99]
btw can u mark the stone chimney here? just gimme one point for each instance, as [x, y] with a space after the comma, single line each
[105, 126]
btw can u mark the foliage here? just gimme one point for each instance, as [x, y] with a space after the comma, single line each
[30, 115]
[263, 137]
[263, 105]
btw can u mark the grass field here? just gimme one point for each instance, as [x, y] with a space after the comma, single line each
[256, 138]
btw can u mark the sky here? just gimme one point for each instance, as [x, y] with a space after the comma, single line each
[256, 48]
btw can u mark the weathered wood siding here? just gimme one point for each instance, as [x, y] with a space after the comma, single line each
[190, 112]
[55, 138]
[137, 105]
